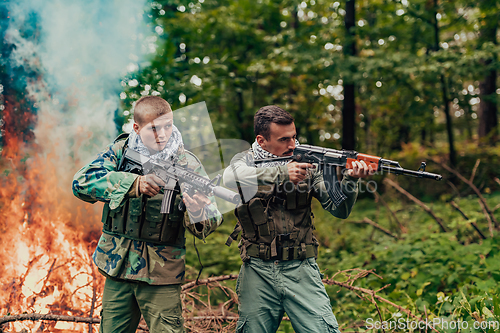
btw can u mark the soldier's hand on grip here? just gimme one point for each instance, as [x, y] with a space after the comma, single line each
[360, 170]
[298, 171]
[150, 185]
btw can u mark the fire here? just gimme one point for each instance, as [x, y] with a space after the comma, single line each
[47, 238]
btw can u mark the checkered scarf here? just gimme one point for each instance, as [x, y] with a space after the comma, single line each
[259, 153]
[170, 150]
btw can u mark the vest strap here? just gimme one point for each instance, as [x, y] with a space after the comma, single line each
[234, 234]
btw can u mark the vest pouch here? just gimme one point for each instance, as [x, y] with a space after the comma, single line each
[303, 195]
[176, 214]
[106, 219]
[291, 197]
[133, 227]
[242, 215]
[118, 220]
[173, 229]
[259, 215]
[151, 227]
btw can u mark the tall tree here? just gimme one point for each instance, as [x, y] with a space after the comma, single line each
[444, 90]
[488, 119]
[349, 106]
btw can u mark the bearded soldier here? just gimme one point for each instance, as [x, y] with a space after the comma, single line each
[279, 272]
[141, 251]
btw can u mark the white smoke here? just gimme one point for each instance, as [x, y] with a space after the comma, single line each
[82, 48]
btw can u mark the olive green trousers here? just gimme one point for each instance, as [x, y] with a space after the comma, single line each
[268, 289]
[124, 301]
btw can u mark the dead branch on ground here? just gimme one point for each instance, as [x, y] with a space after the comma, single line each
[418, 202]
[375, 225]
[474, 188]
[455, 205]
[378, 198]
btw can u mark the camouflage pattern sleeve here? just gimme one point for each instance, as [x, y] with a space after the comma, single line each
[240, 174]
[99, 180]
[349, 187]
[211, 218]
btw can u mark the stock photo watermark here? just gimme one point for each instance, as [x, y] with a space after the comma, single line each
[403, 324]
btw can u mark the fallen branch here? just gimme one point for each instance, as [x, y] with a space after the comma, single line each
[51, 317]
[454, 205]
[379, 198]
[475, 189]
[496, 207]
[375, 225]
[454, 188]
[490, 225]
[371, 292]
[193, 284]
[474, 170]
[224, 317]
[418, 202]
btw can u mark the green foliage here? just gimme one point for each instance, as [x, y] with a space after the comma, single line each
[452, 276]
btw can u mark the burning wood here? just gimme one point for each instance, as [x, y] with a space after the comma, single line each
[47, 239]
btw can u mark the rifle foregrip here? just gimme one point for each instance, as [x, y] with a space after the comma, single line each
[370, 160]
[226, 194]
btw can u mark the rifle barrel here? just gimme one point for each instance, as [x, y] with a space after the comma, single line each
[412, 173]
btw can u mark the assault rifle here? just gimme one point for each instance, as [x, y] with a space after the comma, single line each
[325, 157]
[328, 159]
[172, 175]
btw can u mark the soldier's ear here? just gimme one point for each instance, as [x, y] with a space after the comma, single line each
[261, 141]
[136, 128]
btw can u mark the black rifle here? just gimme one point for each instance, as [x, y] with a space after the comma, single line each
[172, 175]
[328, 159]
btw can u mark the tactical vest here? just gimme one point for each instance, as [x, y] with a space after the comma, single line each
[140, 219]
[277, 223]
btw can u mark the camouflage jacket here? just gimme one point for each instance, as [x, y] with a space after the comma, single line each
[124, 258]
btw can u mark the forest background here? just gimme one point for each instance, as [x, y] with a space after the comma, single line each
[409, 80]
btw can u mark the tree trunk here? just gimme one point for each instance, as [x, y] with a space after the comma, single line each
[488, 119]
[349, 105]
[446, 99]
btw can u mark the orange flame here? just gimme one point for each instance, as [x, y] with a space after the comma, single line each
[47, 236]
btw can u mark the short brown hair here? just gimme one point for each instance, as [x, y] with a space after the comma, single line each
[150, 105]
[267, 115]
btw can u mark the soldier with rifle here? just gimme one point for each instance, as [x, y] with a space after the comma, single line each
[279, 272]
[141, 251]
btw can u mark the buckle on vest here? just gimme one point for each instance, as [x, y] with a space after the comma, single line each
[263, 251]
[279, 201]
[283, 253]
[283, 237]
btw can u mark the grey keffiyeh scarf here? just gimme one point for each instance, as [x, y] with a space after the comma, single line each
[170, 150]
[259, 153]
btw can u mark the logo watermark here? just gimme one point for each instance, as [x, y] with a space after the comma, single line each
[403, 324]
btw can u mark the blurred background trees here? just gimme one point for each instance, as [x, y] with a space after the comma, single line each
[366, 75]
